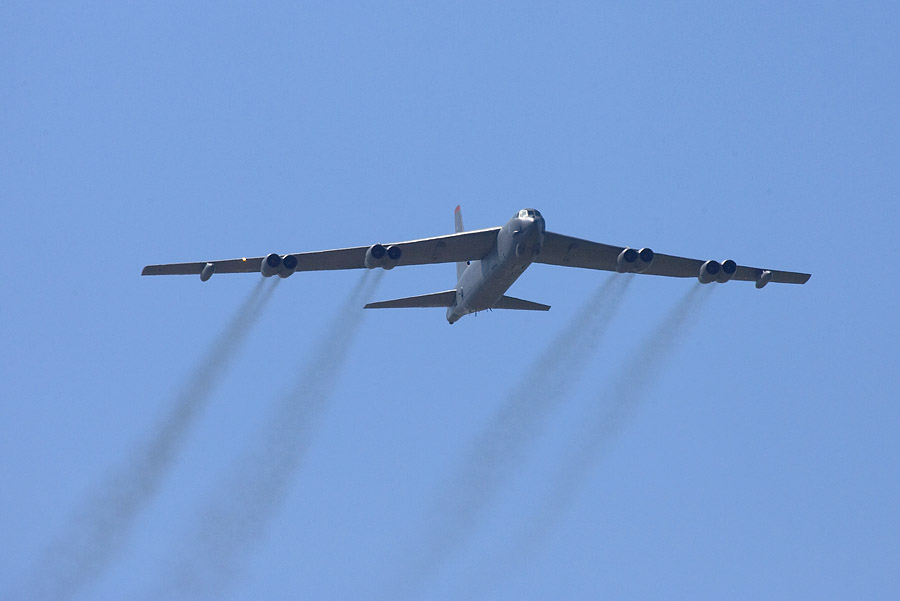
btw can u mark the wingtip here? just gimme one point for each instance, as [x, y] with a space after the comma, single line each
[456, 210]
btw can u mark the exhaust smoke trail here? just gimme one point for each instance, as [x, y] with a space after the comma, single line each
[501, 447]
[240, 509]
[629, 389]
[102, 524]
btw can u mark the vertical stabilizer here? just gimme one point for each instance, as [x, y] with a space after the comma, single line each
[461, 266]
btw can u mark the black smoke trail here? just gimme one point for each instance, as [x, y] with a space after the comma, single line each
[630, 387]
[103, 523]
[502, 446]
[237, 514]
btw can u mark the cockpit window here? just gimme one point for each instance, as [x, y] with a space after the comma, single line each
[527, 213]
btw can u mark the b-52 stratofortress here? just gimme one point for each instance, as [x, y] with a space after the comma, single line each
[488, 262]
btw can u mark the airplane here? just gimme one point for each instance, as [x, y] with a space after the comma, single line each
[488, 261]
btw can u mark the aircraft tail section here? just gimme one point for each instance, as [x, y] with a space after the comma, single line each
[446, 299]
[509, 302]
[435, 299]
[461, 266]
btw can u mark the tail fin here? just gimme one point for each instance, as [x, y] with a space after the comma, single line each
[461, 266]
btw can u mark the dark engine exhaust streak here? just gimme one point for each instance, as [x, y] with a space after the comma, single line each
[101, 526]
[238, 511]
[643, 369]
[502, 446]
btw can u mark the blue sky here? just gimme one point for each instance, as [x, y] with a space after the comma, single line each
[761, 459]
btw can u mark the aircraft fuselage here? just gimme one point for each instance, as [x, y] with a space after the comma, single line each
[483, 282]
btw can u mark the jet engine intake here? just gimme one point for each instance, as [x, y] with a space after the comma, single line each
[271, 265]
[375, 256]
[644, 260]
[393, 256]
[288, 266]
[727, 272]
[634, 261]
[626, 261]
[709, 271]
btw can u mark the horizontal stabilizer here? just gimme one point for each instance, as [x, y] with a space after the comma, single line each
[435, 299]
[508, 302]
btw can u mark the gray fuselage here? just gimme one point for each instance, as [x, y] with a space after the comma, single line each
[483, 282]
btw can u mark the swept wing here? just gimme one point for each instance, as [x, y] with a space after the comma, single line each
[451, 248]
[567, 251]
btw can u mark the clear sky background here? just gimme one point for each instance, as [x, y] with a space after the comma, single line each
[760, 456]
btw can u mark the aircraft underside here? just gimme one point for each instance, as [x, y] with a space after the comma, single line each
[488, 261]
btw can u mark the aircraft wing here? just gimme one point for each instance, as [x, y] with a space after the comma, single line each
[451, 248]
[574, 252]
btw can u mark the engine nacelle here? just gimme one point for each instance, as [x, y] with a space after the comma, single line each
[709, 272]
[288, 266]
[270, 265]
[727, 271]
[375, 256]
[626, 261]
[634, 261]
[392, 257]
[644, 260]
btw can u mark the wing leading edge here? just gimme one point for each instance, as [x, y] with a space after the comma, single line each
[451, 248]
[557, 249]
[567, 251]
